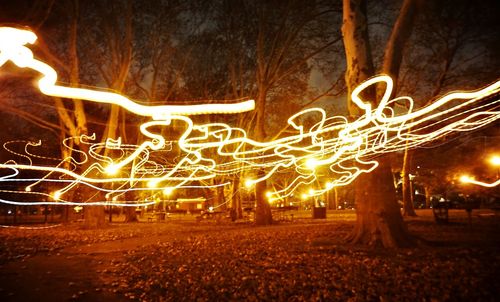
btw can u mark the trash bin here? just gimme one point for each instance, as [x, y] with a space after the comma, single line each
[160, 216]
[319, 212]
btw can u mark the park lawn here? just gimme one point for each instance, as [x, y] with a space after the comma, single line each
[300, 260]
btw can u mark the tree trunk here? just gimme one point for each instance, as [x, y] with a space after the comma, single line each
[428, 195]
[236, 199]
[130, 214]
[335, 190]
[393, 54]
[77, 125]
[379, 221]
[263, 215]
[221, 198]
[357, 48]
[408, 209]
[94, 217]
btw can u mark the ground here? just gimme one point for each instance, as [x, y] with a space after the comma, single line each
[297, 260]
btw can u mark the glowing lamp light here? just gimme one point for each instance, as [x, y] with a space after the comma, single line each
[248, 183]
[465, 179]
[57, 195]
[344, 147]
[168, 191]
[152, 184]
[112, 169]
[495, 160]
[115, 198]
[311, 163]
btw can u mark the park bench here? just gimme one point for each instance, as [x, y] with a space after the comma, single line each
[440, 210]
[156, 216]
[282, 213]
[210, 215]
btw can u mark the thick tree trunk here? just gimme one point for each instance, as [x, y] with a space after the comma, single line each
[379, 221]
[236, 199]
[357, 48]
[260, 122]
[130, 214]
[94, 217]
[408, 209]
[263, 215]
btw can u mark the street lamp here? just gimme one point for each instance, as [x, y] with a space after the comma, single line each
[495, 161]
[465, 179]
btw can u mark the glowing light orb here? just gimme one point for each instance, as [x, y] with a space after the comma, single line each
[495, 160]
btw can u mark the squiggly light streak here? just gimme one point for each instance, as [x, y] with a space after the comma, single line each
[467, 179]
[346, 149]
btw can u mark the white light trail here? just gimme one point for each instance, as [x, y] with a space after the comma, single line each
[340, 149]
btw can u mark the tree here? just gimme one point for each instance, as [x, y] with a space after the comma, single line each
[287, 37]
[450, 49]
[73, 117]
[379, 221]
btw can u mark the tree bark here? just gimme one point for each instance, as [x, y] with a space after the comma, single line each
[77, 125]
[94, 217]
[408, 209]
[428, 195]
[393, 55]
[379, 221]
[221, 198]
[263, 215]
[130, 214]
[236, 197]
[357, 48]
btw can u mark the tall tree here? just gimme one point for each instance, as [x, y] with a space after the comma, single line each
[288, 36]
[379, 220]
[451, 48]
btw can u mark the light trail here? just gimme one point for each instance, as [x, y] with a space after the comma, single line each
[334, 146]
[469, 180]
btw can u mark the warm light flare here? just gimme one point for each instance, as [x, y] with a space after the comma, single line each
[168, 191]
[466, 179]
[56, 196]
[495, 160]
[341, 149]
